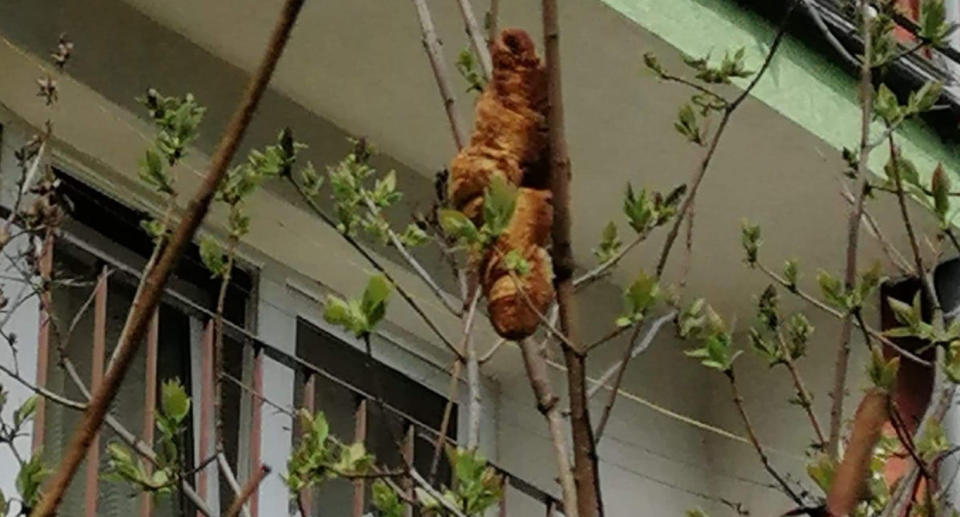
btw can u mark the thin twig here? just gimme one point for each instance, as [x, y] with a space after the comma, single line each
[377, 265]
[445, 421]
[142, 308]
[431, 44]
[819, 304]
[248, 489]
[217, 363]
[232, 482]
[752, 435]
[473, 375]
[535, 364]
[43, 392]
[814, 12]
[493, 350]
[480, 47]
[728, 111]
[620, 369]
[604, 268]
[893, 254]
[493, 18]
[634, 351]
[444, 297]
[803, 395]
[418, 479]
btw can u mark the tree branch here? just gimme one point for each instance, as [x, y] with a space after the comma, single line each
[586, 469]
[476, 37]
[432, 46]
[535, 364]
[632, 351]
[802, 394]
[819, 304]
[620, 368]
[752, 435]
[144, 305]
[712, 146]
[248, 489]
[379, 267]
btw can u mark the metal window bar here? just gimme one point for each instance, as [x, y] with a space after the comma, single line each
[263, 348]
[206, 409]
[92, 490]
[150, 402]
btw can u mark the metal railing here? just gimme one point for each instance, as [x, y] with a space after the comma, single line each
[262, 348]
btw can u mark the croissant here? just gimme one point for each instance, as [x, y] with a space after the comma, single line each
[509, 140]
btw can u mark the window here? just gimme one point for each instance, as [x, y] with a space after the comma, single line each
[349, 394]
[101, 233]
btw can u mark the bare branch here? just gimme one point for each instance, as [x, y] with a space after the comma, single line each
[248, 490]
[476, 37]
[803, 395]
[232, 481]
[752, 435]
[493, 350]
[493, 16]
[712, 146]
[43, 392]
[415, 264]
[473, 376]
[536, 366]
[445, 421]
[432, 45]
[892, 253]
[620, 368]
[633, 351]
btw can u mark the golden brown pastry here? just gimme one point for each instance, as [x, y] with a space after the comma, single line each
[509, 140]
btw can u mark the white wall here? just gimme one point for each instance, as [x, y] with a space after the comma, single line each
[24, 323]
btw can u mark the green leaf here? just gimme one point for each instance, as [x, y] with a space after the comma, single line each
[832, 290]
[687, 124]
[458, 226]
[905, 168]
[25, 411]
[883, 373]
[414, 236]
[153, 174]
[30, 479]
[933, 441]
[639, 297]
[653, 64]
[385, 500]
[609, 243]
[211, 254]
[470, 71]
[821, 471]
[791, 273]
[374, 302]
[923, 100]
[750, 240]
[940, 187]
[886, 105]
[174, 402]
[336, 310]
[933, 22]
[515, 262]
[498, 204]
